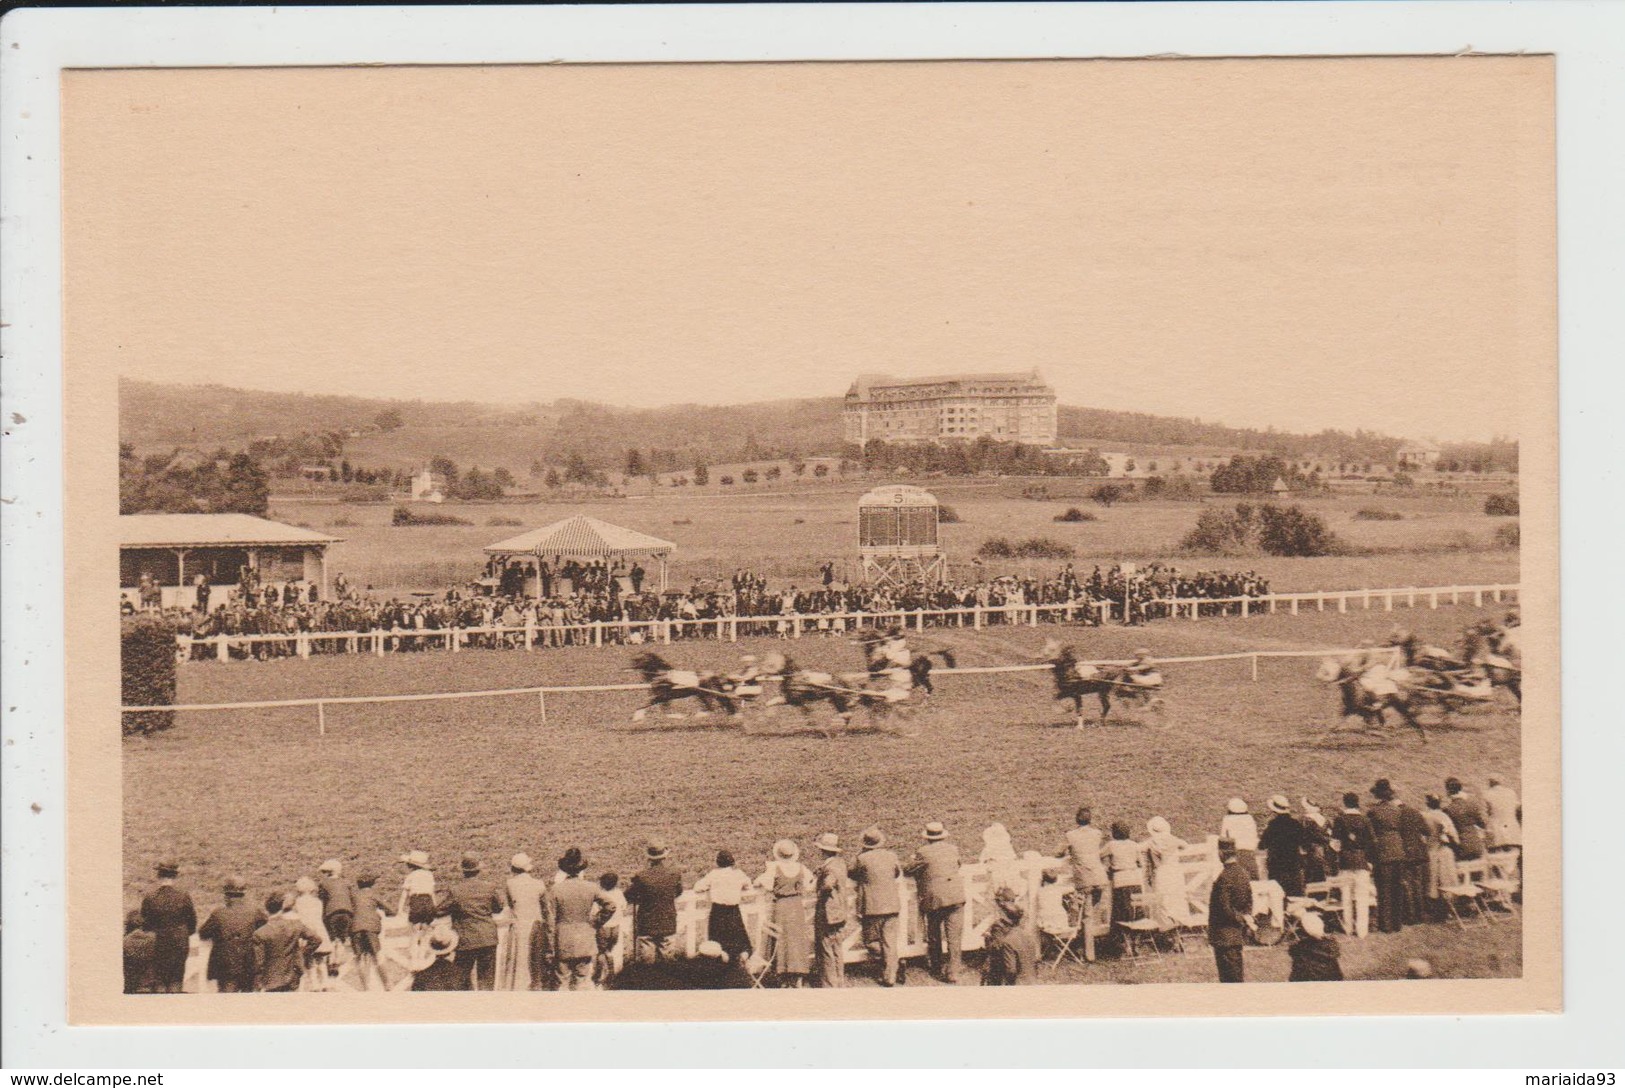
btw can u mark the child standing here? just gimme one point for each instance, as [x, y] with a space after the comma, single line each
[307, 907]
[366, 931]
[609, 928]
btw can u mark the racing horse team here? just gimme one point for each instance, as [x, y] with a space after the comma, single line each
[1405, 675]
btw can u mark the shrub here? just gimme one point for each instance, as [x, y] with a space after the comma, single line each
[1507, 536]
[369, 493]
[1270, 529]
[403, 516]
[1036, 492]
[1372, 514]
[341, 522]
[1403, 479]
[1170, 487]
[1074, 514]
[947, 515]
[1106, 494]
[147, 665]
[1038, 547]
[726, 481]
[1501, 506]
[504, 521]
[750, 476]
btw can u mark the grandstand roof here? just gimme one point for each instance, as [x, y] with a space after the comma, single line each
[581, 537]
[866, 382]
[211, 530]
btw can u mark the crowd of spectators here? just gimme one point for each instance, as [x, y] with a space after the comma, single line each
[565, 926]
[599, 603]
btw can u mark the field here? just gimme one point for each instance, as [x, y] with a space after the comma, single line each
[789, 533]
[259, 793]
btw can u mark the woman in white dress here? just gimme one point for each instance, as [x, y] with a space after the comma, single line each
[1162, 848]
[522, 967]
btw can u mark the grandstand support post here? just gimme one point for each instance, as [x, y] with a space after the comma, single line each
[321, 718]
[1255, 668]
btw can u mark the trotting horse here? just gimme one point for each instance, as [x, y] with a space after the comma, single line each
[667, 685]
[1074, 680]
[884, 653]
[1368, 690]
[1498, 652]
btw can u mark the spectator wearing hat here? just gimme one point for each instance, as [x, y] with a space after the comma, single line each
[875, 873]
[417, 890]
[1442, 853]
[366, 931]
[788, 883]
[1283, 842]
[1417, 836]
[477, 907]
[139, 943]
[1351, 837]
[830, 912]
[652, 895]
[337, 893]
[1317, 839]
[307, 907]
[941, 889]
[1162, 849]
[1083, 850]
[1468, 816]
[168, 913]
[1012, 948]
[526, 898]
[1230, 913]
[1387, 858]
[725, 887]
[566, 867]
[1314, 954]
[1125, 865]
[1240, 828]
[231, 929]
[610, 912]
[575, 903]
[281, 947]
[434, 964]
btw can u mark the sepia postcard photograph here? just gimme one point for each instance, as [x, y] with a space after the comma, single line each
[811, 541]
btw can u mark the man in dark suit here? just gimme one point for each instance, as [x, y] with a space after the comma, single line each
[231, 929]
[653, 895]
[1283, 841]
[1387, 858]
[1468, 816]
[280, 946]
[1416, 835]
[1351, 835]
[473, 904]
[1230, 914]
[168, 913]
[941, 890]
[573, 903]
[875, 872]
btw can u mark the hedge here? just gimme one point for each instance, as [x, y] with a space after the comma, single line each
[147, 660]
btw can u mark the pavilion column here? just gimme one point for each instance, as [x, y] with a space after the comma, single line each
[662, 574]
[321, 564]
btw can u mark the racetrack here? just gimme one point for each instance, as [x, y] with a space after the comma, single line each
[261, 794]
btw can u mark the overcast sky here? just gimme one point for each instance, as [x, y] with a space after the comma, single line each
[1300, 244]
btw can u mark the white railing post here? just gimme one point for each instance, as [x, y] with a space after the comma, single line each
[1244, 608]
[1478, 598]
[1433, 599]
[1294, 606]
[1388, 601]
[665, 633]
[1035, 616]
[597, 632]
[222, 652]
[976, 617]
[530, 632]
[1342, 602]
[301, 644]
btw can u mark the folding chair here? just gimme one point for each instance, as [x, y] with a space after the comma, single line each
[1066, 941]
[760, 964]
[1500, 882]
[1141, 927]
[1465, 893]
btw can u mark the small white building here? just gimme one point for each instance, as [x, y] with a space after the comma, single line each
[1418, 454]
[428, 486]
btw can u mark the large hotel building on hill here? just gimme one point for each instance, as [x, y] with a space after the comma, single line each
[1006, 407]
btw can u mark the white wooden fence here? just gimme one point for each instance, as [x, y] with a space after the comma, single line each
[532, 635]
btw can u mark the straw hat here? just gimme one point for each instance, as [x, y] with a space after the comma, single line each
[1236, 807]
[710, 950]
[1279, 804]
[417, 859]
[786, 849]
[935, 832]
[304, 884]
[332, 867]
[1157, 825]
[521, 862]
[874, 837]
[656, 850]
[829, 843]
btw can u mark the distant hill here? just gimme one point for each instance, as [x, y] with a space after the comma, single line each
[397, 434]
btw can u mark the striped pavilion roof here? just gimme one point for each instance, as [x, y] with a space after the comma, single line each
[581, 537]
